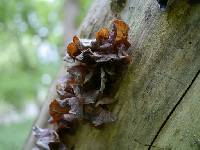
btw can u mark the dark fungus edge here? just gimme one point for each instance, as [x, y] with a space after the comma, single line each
[86, 89]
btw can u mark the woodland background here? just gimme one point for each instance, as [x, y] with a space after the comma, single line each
[33, 34]
[158, 97]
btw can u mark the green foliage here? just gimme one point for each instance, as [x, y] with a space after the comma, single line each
[13, 136]
[84, 7]
[29, 29]
[18, 85]
[25, 25]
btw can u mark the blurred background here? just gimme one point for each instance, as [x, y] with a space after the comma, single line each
[33, 35]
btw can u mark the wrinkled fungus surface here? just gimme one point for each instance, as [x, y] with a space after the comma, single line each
[84, 93]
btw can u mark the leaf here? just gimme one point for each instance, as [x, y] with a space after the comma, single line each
[56, 111]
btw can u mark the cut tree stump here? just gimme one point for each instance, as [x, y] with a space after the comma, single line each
[159, 95]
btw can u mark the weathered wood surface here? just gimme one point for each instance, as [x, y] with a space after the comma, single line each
[166, 61]
[182, 131]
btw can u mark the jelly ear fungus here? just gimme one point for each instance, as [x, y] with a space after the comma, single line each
[86, 90]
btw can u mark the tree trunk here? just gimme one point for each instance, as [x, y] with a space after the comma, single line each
[159, 96]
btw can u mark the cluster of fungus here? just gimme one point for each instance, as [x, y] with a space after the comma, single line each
[86, 90]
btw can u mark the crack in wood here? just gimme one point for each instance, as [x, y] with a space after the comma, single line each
[140, 143]
[145, 145]
[174, 108]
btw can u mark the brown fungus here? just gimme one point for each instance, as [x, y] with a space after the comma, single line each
[56, 110]
[47, 139]
[85, 92]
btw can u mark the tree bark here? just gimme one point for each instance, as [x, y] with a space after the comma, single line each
[158, 97]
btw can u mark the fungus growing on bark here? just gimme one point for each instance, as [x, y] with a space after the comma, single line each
[85, 91]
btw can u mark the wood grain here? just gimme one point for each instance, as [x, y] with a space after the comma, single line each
[181, 132]
[166, 60]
